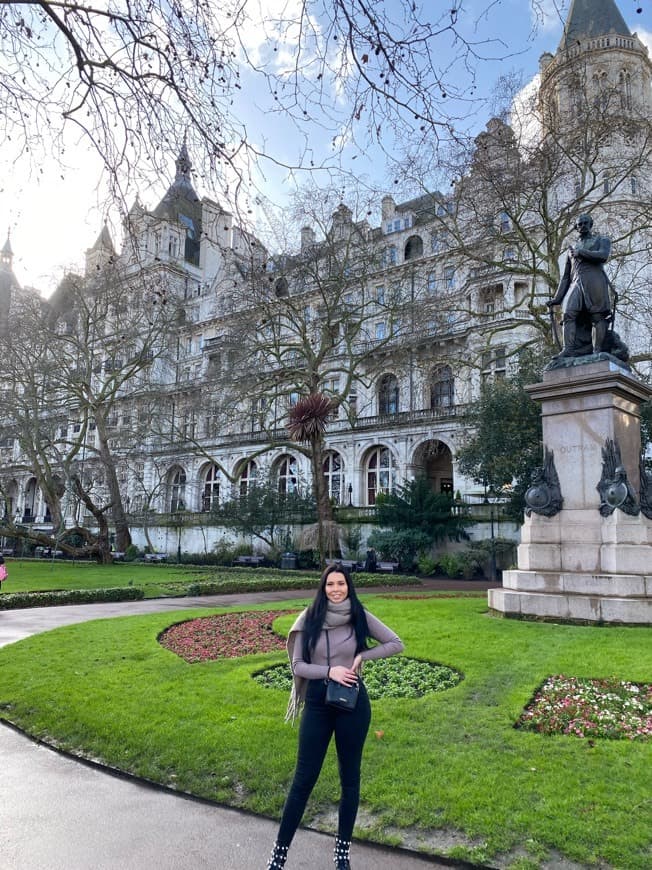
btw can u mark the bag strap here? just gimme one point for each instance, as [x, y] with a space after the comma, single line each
[328, 650]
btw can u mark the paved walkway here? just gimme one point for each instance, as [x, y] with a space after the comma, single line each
[60, 814]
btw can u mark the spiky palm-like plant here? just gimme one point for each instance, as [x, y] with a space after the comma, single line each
[307, 421]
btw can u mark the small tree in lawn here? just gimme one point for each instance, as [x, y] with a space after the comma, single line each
[506, 444]
[263, 511]
[306, 424]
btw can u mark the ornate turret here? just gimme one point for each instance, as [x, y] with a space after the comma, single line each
[599, 62]
[7, 281]
[181, 205]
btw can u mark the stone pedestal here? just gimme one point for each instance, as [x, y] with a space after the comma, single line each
[579, 565]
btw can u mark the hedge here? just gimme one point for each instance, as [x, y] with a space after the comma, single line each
[18, 600]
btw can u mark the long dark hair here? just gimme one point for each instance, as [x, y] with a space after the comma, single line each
[316, 614]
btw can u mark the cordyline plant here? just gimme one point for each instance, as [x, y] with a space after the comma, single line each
[306, 423]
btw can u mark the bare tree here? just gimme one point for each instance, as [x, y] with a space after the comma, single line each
[78, 370]
[303, 329]
[129, 77]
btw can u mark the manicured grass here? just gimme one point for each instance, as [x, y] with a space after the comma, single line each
[40, 575]
[446, 761]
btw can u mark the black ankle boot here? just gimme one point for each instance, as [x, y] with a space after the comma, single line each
[278, 857]
[341, 854]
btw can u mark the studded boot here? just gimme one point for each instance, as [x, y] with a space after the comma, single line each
[278, 857]
[341, 854]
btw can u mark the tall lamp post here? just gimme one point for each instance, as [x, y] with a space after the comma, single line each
[179, 524]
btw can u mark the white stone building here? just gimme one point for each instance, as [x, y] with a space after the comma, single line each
[432, 322]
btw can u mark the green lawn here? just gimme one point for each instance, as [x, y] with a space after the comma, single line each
[448, 762]
[40, 575]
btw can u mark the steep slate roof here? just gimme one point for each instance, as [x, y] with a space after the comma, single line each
[592, 18]
[7, 253]
[104, 241]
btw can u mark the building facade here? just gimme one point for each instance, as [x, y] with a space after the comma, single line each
[400, 324]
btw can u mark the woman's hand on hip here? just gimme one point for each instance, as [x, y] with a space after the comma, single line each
[345, 676]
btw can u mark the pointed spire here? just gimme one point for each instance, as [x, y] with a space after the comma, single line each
[7, 255]
[592, 18]
[104, 241]
[137, 207]
[183, 177]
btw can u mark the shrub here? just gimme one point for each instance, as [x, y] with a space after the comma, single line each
[18, 600]
[131, 553]
[400, 546]
[427, 565]
[452, 564]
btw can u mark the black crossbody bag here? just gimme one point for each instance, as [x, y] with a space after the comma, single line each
[337, 695]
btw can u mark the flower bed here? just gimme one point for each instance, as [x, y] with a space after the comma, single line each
[396, 677]
[226, 635]
[590, 708]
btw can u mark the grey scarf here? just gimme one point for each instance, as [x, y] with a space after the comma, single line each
[336, 615]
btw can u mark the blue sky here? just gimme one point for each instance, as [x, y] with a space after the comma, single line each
[54, 214]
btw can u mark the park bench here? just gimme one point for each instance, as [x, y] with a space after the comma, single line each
[47, 553]
[155, 557]
[387, 567]
[248, 561]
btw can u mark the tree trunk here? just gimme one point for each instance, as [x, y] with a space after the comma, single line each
[103, 545]
[322, 500]
[122, 531]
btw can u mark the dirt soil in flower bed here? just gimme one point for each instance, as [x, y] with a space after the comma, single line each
[225, 635]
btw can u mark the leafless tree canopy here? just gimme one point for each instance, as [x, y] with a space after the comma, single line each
[132, 76]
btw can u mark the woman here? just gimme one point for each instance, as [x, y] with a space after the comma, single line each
[337, 614]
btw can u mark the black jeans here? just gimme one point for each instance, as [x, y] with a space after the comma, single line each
[318, 724]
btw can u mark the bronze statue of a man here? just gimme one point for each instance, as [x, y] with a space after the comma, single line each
[584, 294]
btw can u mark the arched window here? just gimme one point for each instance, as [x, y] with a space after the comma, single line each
[600, 90]
[333, 472]
[248, 477]
[286, 474]
[210, 496]
[29, 508]
[381, 473]
[177, 490]
[413, 248]
[442, 388]
[281, 288]
[388, 395]
[625, 85]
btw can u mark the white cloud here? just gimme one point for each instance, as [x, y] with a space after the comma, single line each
[525, 118]
[645, 36]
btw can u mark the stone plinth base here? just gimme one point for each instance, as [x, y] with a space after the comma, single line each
[580, 566]
[569, 597]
